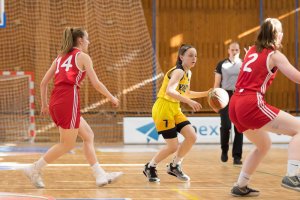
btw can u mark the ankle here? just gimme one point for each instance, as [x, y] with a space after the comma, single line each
[243, 179]
[176, 161]
[98, 170]
[152, 163]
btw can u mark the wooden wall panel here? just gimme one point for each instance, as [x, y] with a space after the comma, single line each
[208, 24]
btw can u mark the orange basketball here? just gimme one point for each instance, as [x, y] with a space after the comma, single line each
[217, 99]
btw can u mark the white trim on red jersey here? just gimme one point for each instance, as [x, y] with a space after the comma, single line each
[75, 105]
[264, 85]
[262, 106]
[76, 64]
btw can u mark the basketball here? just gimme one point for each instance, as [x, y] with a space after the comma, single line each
[217, 99]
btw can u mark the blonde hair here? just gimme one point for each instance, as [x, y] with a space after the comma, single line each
[69, 39]
[267, 37]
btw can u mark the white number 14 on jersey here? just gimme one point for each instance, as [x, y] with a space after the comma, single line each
[67, 64]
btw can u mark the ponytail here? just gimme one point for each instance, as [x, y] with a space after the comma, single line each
[69, 39]
[267, 37]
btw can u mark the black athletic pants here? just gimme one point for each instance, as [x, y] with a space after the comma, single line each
[237, 148]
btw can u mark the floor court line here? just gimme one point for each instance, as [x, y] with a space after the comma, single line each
[17, 166]
[186, 194]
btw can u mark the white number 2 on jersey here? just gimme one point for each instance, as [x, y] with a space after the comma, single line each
[67, 64]
[254, 57]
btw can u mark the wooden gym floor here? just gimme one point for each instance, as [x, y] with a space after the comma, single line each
[70, 177]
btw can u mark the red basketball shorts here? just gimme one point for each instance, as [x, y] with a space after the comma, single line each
[250, 111]
[64, 107]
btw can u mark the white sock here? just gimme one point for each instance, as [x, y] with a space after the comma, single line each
[176, 160]
[293, 168]
[243, 179]
[97, 169]
[40, 164]
[152, 163]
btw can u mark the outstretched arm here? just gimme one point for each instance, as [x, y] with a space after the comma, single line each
[193, 94]
[86, 61]
[279, 60]
[44, 87]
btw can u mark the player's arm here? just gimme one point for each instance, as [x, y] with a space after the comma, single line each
[176, 76]
[86, 63]
[218, 78]
[218, 75]
[44, 87]
[279, 60]
[192, 94]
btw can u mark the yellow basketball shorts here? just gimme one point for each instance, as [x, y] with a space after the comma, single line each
[168, 118]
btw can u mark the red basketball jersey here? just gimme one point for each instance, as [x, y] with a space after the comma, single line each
[64, 103]
[255, 75]
[67, 71]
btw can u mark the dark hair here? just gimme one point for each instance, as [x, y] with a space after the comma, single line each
[267, 37]
[182, 49]
[69, 39]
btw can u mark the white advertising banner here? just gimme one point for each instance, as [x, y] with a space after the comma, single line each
[141, 130]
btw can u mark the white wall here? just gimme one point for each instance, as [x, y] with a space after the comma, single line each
[141, 130]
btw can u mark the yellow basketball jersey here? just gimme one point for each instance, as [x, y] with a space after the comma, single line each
[181, 88]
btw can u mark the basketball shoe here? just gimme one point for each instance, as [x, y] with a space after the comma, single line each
[291, 182]
[177, 172]
[34, 176]
[237, 191]
[102, 179]
[151, 173]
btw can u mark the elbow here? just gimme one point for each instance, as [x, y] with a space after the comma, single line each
[43, 84]
[169, 92]
[296, 80]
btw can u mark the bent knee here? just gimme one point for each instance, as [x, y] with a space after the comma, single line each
[88, 137]
[192, 138]
[68, 146]
[265, 147]
[172, 148]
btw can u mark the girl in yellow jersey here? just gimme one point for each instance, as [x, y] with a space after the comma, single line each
[168, 117]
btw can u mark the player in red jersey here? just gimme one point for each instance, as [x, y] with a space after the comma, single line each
[254, 117]
[68, 70]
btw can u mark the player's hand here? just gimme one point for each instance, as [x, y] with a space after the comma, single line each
[246, 50]
[194, 105]
[45, 110]
[209, 91]
[115, 101]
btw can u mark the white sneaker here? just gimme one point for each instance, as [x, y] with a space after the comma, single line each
[113, 176]
[108, 178]
[34, 176]
[101, 180]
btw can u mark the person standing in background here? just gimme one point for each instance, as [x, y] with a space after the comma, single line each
[226, 74]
